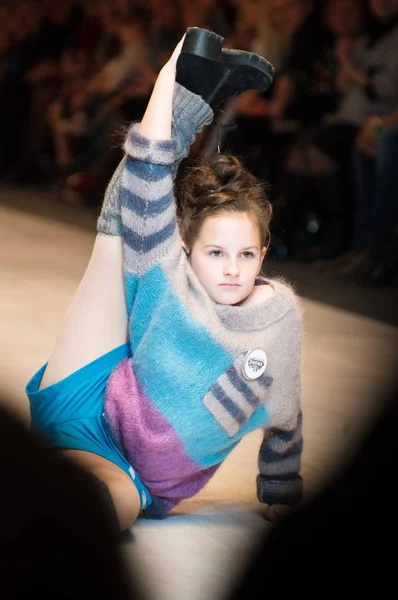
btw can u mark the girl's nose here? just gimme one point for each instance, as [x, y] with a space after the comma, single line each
[231, 268]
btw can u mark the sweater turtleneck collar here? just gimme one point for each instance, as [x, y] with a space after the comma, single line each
[250, 317]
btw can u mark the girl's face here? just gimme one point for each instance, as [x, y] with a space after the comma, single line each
[227, 255]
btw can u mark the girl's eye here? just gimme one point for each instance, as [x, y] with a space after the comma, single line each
[215, 253]
[247, 254]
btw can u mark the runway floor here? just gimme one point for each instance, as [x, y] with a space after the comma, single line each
[349, 361]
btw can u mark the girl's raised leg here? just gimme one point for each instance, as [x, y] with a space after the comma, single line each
[96, 323]
[96, 320]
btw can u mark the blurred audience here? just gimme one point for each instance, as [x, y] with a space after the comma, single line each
[75, 73]
[164, 30]
[303, 88]
[42, 82]
[321, 160]
[99, 105]
[372, 257]
[303, 36]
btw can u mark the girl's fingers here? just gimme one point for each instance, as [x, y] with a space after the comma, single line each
[177, 50]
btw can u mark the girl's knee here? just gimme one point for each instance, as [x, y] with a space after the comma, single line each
[120, 492]
[126, 501]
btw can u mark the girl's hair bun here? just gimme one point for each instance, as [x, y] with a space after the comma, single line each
[220, 184]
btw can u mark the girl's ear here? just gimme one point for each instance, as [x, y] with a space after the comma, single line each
[183, 244]
[262, 255]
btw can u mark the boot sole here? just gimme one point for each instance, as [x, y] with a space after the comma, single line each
[208, 45]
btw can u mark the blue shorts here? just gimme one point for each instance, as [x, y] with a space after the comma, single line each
[70, 413]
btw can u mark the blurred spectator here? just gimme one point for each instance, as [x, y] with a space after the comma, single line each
[277, 23]
[108, 46]
[322, 157]
[76, 69]
[245, 28]
[165, 30]
[21, 27]
[99, 106]
[373, 254]
[215, 15]
[40, 81]
[303, 86]
[300, 36]
[89, 28]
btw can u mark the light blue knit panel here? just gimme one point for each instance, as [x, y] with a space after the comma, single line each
[176, 361]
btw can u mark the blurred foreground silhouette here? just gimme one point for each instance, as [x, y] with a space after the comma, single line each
[57, 537]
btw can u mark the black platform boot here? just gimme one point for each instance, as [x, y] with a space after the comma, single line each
[217, 74]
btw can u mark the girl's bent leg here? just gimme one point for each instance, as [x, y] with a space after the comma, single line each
[96, 320]
[123, 491]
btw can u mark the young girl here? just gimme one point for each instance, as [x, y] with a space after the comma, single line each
[174, 347]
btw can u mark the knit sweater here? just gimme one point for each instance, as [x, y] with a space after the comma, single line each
[189, 393]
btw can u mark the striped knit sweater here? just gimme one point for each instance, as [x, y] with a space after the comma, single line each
[182, 402]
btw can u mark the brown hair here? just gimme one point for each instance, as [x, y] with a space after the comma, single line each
[218, 185]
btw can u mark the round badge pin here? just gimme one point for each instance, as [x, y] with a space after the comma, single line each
[255, 364]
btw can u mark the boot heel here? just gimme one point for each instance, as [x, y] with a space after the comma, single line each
[202, 42]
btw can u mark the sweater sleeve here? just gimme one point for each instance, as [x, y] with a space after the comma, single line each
[279, 480]
[190, 115]
[147, 207]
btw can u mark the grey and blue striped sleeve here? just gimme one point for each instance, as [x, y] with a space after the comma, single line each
[279, 480]
[147, 206]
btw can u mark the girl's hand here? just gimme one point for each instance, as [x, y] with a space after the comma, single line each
[156, 122]
[172, 62]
